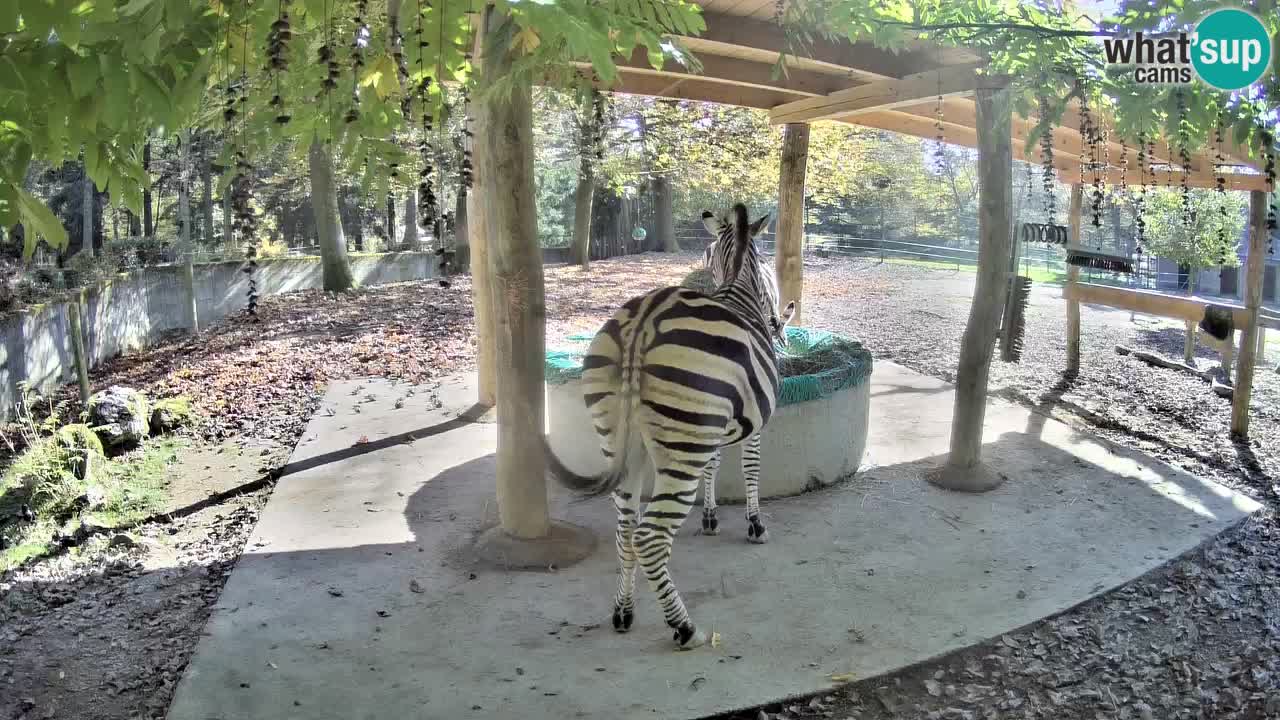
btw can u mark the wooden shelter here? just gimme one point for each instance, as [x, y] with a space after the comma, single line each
[861, 84]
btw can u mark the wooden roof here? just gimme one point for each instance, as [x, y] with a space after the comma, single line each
[860, 84]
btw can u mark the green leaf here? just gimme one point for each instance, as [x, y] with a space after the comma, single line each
[83, 74]
[8, 17]
[382, 77]
[136, 7]
[39, 221]
[39, 16]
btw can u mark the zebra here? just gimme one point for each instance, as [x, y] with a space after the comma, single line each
[675, 374]
[756, 531]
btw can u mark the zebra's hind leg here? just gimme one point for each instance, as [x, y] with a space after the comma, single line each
[674, 491]
[756, 531]
[627, 504]
[710, 524]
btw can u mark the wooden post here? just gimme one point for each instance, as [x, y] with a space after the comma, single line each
[481, 284]
[78, 354]
[790, 246]
[481, 268]
[1073, 276]
[1248, 354]
[505, 173]
[1189, 344]
[189, 285]
[77, 346]
[995, 207]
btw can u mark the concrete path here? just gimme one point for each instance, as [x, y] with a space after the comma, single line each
[356, 597]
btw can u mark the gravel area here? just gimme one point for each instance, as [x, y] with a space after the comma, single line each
[1198, 638]
[105, 632]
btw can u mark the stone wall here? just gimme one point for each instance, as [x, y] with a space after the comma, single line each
[135, 309]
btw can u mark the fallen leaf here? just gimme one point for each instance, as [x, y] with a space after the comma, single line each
[416, 586]
[364, 440]
[842, 677]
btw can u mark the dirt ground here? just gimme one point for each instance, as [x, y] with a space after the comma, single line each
[106, 632]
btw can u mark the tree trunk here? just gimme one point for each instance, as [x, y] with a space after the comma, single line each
[461, 225]
[358, 225]
[228, 231]
[206, 204]
[664, 212]
[324, 204]
[184, 192]
[790, 238]
[1189, 341]
[1248, 354]
[148, 224]
[391, 220]
[115, 224]
[410, 240]
[995, 170]
[505, 171]
[134, 222]
[86, 214]
[580, 251]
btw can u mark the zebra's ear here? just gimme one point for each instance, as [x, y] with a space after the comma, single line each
[759, 226]
[711, 223]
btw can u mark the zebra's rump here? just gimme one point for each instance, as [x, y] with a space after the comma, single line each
[691, 360]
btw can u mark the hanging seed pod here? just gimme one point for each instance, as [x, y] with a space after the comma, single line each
[1046, 160]
[467, 171]
[1184, 156]
[940, 157]
[1269, 170]
[1140, 197]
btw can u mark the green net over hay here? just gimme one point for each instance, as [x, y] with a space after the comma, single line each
[816, 364]
[700, 280]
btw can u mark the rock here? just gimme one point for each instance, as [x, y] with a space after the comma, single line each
[119, 416]
[95, 497]
[171, 414]
[120, 540]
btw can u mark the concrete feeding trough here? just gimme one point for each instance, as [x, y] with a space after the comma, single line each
[816, 436]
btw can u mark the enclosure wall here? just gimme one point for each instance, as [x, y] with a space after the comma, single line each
[135, 309]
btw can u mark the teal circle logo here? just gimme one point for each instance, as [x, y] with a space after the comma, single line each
[1231, 49]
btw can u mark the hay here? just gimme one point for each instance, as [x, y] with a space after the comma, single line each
[816, 364]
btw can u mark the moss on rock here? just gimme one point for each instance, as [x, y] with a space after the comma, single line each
[171, 414]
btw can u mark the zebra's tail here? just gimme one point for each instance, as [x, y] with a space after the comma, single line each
[605, 482]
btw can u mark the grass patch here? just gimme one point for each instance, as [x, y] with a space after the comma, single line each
[1038, 274]
[42, 493]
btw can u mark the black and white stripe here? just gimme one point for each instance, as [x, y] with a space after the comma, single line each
[680, 375]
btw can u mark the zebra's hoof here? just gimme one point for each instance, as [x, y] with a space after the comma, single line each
[622, 620]
[757, 533]
[688, 637]
[710, 524]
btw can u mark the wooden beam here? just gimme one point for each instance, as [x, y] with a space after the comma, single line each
[758, 40]
[788, 256]
[734, 72]
[1252, 301]
[1150, 302]
[995, 230]
[882, 95]
[1066, 164]
[693, 87]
